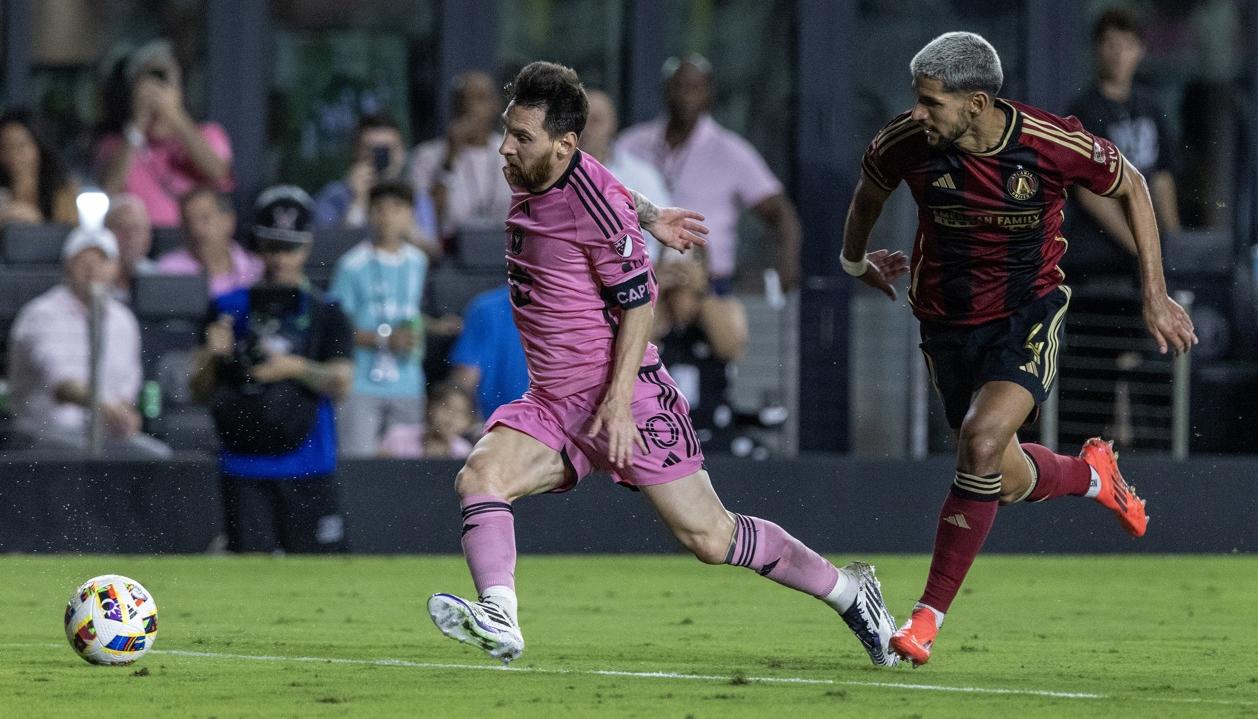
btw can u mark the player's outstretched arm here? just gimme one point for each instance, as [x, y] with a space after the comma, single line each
[674, 227]
[1167, 322]
[878, 269]
[614, 415]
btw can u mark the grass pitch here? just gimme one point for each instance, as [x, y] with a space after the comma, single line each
[640, 636]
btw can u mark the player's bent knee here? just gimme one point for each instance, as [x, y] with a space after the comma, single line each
[981, 449]
[706, 546]
[479, 477]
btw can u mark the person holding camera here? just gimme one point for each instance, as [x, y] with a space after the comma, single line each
[379, 156]
[276, 357]
[162, 153]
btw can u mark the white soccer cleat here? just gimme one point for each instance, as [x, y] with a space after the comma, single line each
[482, 624]
[868, 617]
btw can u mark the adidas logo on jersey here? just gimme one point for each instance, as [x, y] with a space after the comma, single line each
[945, 182]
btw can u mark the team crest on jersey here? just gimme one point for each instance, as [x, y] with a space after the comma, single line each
[516, 244]
[1022, 184]
[624, 246]
[1098, 152]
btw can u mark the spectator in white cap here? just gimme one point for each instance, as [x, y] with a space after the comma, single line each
[49, 357]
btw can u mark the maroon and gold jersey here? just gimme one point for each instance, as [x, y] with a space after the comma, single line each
[989, 223]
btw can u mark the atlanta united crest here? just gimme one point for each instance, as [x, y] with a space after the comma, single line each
[1022, 184]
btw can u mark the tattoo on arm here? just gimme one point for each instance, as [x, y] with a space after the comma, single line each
[648, 213]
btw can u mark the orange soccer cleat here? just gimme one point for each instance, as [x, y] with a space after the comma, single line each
[1115, 494]
[914, 640]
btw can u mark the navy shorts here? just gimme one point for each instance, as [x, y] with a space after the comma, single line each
[1022, 348]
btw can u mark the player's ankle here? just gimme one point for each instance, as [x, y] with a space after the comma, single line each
[504, 597]
[937, 615]
[843, 595]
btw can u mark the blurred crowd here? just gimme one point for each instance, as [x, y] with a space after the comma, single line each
[406, 245]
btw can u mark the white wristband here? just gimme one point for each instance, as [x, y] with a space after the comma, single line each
[855, 269]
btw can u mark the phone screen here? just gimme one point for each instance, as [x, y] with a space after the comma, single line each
[380, 158]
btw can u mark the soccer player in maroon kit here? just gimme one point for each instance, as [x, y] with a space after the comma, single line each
[989, 177]
[599, 398]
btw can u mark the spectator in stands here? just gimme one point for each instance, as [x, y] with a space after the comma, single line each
[1118, 108]
[601, 126]
[34, 186]
[379, 156]
[697, 339]
[129, 222]
[448, 420]
[710, 169]
[49, 357]
[463, 170]
[276, 356]
[380, 285]
[162, 153]
[209, 228]
[488, 359]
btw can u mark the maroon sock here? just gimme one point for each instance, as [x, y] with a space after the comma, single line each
[1056, 474]
[965, 520]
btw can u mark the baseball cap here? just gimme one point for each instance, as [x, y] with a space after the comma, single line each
[283, 213]
[82, 238]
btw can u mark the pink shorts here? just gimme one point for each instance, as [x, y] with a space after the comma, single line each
[659, 410]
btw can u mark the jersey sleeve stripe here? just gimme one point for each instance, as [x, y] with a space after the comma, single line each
[599, 198]
[588, 199]
[576, 185]
[1057, 140]
[873, 176]
[1078, 138]
[893, 127]
[886, 143]
[1122, 169]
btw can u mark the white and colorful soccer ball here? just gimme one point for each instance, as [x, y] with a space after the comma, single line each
[111, 619]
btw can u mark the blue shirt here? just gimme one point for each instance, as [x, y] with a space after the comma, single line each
[491, 343]
[376, 288]
[317, 454]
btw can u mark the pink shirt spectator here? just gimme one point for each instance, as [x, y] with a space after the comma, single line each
[162, 172]
[246, 270]
[49, 346]
[575, 258]
[714, 171]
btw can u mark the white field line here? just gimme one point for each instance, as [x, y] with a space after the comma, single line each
[698, 677]
[679, 677]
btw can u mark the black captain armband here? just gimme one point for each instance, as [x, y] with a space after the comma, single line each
[633, 292]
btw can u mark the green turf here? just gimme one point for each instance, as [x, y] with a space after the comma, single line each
[1155, 636]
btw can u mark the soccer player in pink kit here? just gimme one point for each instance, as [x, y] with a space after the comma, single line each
[582, 291]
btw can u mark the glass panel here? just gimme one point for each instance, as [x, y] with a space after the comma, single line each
[335, 61]
[76, 42]
[751, 45]
[1194, 60]
[582, 34]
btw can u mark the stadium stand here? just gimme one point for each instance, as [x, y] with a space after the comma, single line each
[29, 244]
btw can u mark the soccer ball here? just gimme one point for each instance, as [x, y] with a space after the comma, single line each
[111, 619]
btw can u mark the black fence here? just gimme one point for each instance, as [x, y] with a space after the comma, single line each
[836, 504]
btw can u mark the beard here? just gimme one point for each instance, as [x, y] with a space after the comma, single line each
[530, 177]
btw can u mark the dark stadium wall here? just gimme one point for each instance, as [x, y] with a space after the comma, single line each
[840, 506]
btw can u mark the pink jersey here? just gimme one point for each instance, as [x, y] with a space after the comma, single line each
[575, 260]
